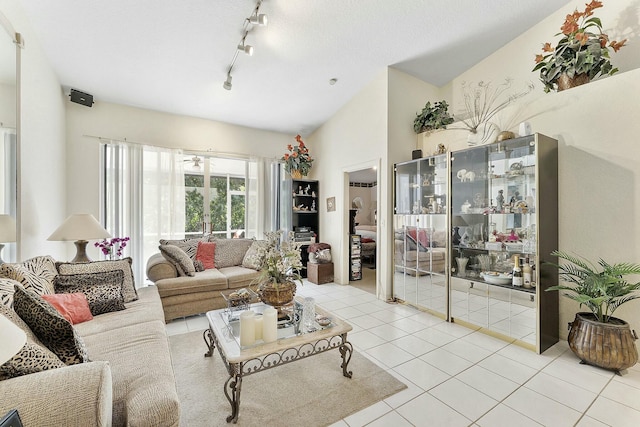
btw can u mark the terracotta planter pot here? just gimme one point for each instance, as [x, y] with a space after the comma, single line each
[607, 345]
[566, 82]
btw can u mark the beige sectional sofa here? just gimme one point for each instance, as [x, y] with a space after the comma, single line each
[184, 295]
[128, 381]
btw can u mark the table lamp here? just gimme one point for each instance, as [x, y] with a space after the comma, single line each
[79, 228]
[7, 231]
[12, 338]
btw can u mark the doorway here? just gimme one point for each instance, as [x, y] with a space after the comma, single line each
[363, 219]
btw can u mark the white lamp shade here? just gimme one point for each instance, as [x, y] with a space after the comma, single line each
[7, 229]
[80, 227]
[12, 338]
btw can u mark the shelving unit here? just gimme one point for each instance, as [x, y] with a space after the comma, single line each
[504, 201]
[492, 202]
[304, 215]
[355, 262]
[420, 234]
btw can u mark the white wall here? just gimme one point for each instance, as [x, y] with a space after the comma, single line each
[42, 145]
[375, 127]
[153, 128]
[7, 101]
[353, 139]
[365, 215]
[597, 129]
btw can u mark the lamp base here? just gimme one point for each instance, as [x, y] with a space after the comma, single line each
[81, 251]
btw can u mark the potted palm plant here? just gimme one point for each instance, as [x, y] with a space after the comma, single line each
[581, 55]
[597, 337]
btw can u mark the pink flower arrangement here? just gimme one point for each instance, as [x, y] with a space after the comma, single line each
[112, 247]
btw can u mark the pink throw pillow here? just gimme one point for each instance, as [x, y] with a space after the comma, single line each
[73, 307]
[206, 254]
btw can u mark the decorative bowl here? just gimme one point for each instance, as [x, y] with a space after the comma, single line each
[496, 278]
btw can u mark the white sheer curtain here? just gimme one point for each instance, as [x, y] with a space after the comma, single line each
[255, 199]
[143, 193]
[8, 174]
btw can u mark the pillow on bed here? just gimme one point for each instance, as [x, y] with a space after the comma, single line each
[366, 234]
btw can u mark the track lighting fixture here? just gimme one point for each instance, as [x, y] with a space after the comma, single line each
[227, 84]
[256, 19]
[246, 48]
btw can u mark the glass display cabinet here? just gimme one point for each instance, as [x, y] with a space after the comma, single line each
[421, 233]
[504, 209]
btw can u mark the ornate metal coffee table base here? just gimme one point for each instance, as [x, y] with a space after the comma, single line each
[233, 385]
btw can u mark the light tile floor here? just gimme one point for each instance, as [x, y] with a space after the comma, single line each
[459, 377]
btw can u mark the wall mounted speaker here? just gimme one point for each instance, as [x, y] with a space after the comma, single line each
[81, 98]
[416, 154]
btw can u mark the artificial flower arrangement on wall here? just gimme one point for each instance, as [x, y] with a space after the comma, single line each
[297, 160]
[581, 55]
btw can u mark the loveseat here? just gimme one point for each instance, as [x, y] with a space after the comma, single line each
[185, 291]
[126, 377]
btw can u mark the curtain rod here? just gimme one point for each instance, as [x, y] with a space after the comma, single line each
[185, 151]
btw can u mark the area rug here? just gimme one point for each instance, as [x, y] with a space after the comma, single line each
[309, 392]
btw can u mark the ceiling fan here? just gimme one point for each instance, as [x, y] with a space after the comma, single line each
[196, 161]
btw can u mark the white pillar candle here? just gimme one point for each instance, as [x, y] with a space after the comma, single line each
[247, 328]
[258, 326]
[270, 324]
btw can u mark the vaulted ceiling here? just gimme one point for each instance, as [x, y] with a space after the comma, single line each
[173, 56]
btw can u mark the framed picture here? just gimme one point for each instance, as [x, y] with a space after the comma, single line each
[331, 204]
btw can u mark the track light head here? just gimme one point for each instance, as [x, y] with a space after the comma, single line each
[227, 84]
[246, 48]
[259, 19]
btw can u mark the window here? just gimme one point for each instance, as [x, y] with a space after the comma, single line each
[215, 196]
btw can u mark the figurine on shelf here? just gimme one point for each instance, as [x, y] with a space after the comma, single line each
[313, 206]
[300, 192]
[313, 194]
[306, 190]
[513, 237]
[500, 201]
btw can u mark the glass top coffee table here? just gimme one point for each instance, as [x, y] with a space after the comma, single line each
[292, 344]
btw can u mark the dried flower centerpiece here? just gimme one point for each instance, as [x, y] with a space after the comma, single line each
[481, 103]
[297, 161]
[281, 268]
[581, 55]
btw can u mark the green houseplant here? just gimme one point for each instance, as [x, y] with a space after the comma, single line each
[432, 118]
[597, 337]
[581, 55]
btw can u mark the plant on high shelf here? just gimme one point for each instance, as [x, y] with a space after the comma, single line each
[481, 104]
[432, 118]
[598, 338]
[281, 266]
[297, 160]
[112, 248]
[581, 55]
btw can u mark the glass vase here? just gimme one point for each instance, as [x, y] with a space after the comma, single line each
[309, 315]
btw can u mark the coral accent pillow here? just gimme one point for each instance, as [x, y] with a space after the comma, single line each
[419, 236]
[73, 307]
[206, 253]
